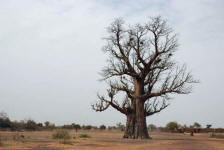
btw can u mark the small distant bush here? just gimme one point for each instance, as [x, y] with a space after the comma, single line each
[84, 136]
[67, 127]
[208, 126]
[61, 134]
[40, 125]
[88, 127]
[152, 127]
[94, 127]
[31, 125]
[5, 123]
[111, 127]
[73, 126]
[48, 125]
[4, 120]
[120, 126]
[217, 135]
[76, 126]
[196, 125]
[172, 126]
[103, 127]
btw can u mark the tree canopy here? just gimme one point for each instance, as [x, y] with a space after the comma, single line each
[141, 67]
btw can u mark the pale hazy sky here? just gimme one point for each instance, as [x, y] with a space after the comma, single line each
[50, 57]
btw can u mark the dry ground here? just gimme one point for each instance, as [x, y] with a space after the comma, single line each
[108, 140]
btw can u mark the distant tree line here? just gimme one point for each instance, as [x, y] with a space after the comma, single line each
[7, 124]
[174, 127]
[31, 125]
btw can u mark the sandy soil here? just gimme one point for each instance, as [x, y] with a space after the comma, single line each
[108, 140]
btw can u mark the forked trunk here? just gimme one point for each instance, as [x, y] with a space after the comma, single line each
[130, 126]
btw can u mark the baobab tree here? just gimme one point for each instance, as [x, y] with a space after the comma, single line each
[127, 107]
[142, 68]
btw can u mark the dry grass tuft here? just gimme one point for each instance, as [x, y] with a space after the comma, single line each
[217, 135]
[84, 136]
[61, 134]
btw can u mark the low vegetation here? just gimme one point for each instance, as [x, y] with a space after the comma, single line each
[103, 127]
[152, 127]
[84, 136]
[172, 126]
[30, 125]
[61, 134]
[217, 135]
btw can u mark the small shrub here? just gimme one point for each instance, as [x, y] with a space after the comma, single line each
[196, 125]
[84, 136]
[217, 135]
[61, 134]
[172, 126]
[48, 125]
[31, 125]
[208, 126]
[76, 127]
[152, 127]
[103, 127]
[4, 120]
[40, 125]
[111, 127]
[120, 126]
[88, 127]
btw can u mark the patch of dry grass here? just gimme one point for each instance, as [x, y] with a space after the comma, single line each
[217, 135]
[108, 140]
[84, 136]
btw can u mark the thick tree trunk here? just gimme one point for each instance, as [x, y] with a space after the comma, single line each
[140, 127]
[141, 130]
[130, 126]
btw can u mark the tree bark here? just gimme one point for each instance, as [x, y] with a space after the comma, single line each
[141, 130]
[130, 126]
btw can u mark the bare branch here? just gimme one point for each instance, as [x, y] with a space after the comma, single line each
[155, 106]
[104, 103]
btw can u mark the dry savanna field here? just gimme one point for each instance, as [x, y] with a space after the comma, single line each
[107, 140]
